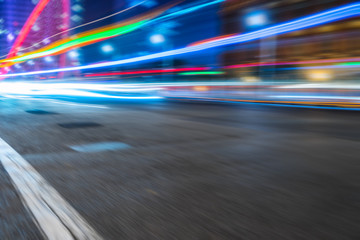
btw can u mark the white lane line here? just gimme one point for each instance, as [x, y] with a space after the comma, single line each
[54, 216]
[100, 147]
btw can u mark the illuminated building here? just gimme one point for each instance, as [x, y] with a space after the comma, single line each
[51, 24]
[336, 40]
[13, 15]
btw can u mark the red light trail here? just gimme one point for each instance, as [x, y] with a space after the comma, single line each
[172, 70]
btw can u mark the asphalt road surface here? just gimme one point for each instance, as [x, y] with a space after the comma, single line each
[167, 170]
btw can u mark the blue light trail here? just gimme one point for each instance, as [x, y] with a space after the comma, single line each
[336, 14]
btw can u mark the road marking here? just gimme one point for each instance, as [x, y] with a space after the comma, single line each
[54, 216]
[100, 147]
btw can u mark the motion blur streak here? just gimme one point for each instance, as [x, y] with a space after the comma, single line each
[325, 67]
[88, 37]
[188, 10]
[82, 25]
[286, 104]
[202, 73]
[211, 39]
[335, 60]
[27, 26]
[66, 45]
[111, 91]
[181, 119]
[166, 89]
[343, 95]
[147, 72]
[336, 14]
[25, 30]
[60, 44]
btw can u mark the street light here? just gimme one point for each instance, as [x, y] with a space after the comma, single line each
[74, 54]
[10, 37]
[107, 48]
[259, 18]
[46, 41]
[48, 59]
[157, 38]
[256, 19]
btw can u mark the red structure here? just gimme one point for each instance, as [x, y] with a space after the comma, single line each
[46, 21]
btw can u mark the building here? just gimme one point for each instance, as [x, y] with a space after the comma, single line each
[52, 24]
[13, 15]
[336, 40]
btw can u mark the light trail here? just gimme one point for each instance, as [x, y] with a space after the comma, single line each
[82, 25]
[27, 26]
[211, 39]
[334, 60]
[76, 43]
[88, 37]
[343, 61]
[109, 91]
[292, 104]
[173, 70]
[60, 46]
[202, 73]
[25, 31]
[349, 64]
[324, 67]
[328, 16]
[189, 10]
[174, 14]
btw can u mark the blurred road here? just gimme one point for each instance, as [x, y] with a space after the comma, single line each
[168, 170]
